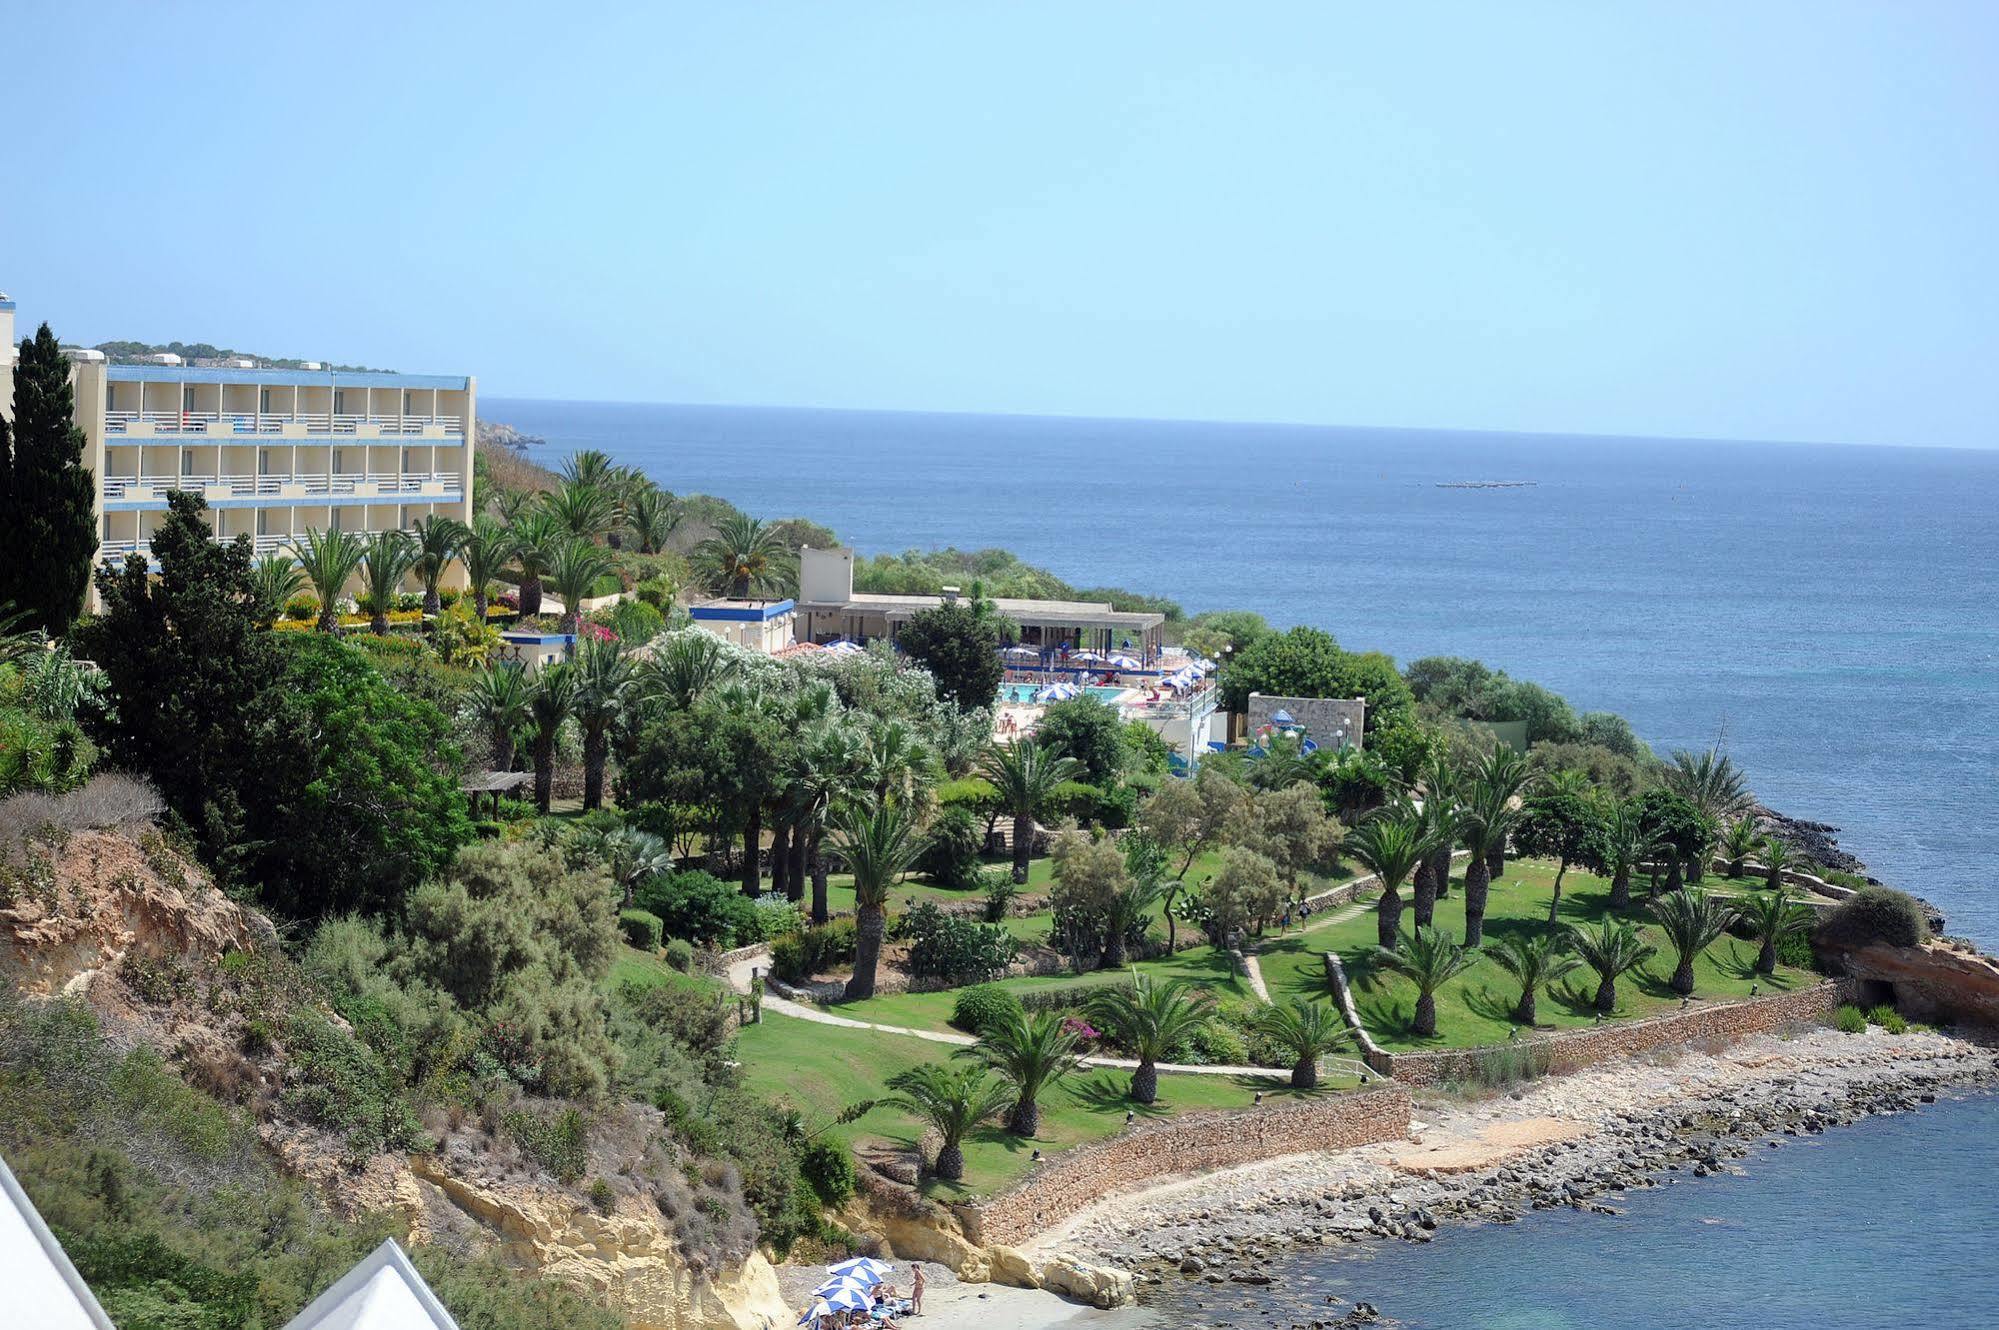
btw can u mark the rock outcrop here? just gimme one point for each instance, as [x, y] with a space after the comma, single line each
[911, 1229]
[1932, 980]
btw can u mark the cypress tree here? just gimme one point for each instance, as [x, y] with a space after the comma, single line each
[46, 523]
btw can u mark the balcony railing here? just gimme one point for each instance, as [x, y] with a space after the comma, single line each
[116, 551]
[372, 484]
[273, 422]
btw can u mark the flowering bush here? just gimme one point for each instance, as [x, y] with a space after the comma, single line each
[595, 632]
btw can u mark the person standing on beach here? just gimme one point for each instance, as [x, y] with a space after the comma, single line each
[915, 1288]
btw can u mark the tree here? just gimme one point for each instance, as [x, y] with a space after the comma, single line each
[189, 669]
[1622, 844]
[575, 567]
[1306, 662]
[1244, 893]
[48, 520]
[952, 1100]
[1504, 776]
[1678, 832]
[603, 690]
[1214, 633]
[1710, 781]
[1432, 881]
[1562, 821]
[488, 547]
[329, 559]
[825, 776]
[499, 698]
[1190, 817]
[274, 580]
[1090, 873]
[1149, 1020]
[1536, 960]
[744, 558]
[1772, 918]
[551, 701]
[1485, 819]
[1428, 960]
[1033, 1054]
[1087, 729]
[584, 511]
[1612, 949]
[1691, 921]
[386, 558]
[1305, 1029]
[878, 844]
[960, 647]
[439, 539]
[1024, 775]
[1776, 858]
[727, 755]
[1390, 845]
[535, 539]
[1290, 828]
[653, 517]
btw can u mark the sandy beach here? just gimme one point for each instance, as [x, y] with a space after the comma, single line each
[950, 1304]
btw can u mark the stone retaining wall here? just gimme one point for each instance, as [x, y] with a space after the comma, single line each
[1573, 1050]
[1197, 1143]
[755, 951]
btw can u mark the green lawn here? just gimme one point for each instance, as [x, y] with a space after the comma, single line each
[637, 967]
[1473, 1009]
[822, 1069]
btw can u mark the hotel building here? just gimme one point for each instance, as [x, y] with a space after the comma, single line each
[275, 452]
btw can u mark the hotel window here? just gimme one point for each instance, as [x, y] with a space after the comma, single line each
[187, 397]
[339, 401]
[333, 519]
[409, 402]
[261, 516]
[264, 400]
[336, 461]
[187, 464]
[263, 461]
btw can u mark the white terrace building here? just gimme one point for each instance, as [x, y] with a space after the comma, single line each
[276, 452]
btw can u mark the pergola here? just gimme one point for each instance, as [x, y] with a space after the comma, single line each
[494, 784]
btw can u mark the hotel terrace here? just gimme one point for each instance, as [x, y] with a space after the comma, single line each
[275, 452]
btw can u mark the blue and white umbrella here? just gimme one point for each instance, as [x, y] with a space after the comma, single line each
[1088, 657]
[864, 1268]
[1283, 718]
[1022, 652]
[1058, 692]
[1123, 662]
[843, 1282]
[815, 1311]
[849, 1300]
[844, 648]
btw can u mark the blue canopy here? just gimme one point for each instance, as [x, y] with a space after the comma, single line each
[1282, 717]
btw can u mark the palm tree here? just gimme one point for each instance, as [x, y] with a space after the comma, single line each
[1432, 879]
[1771, 919]
[274, 580]
[1391, 843]
[688, 665]
[1611, 949]
[1486, 820]
[603, 689]
[952, 1100]
[328, 559]
[583, 511]
[487, 548]
[1025, 775]
[1776, 858]
[549, 704]
[439, 540]
[1710, 781]
[1305, 1029]
[575, 567]
[896, 759]
[589, 466]
[1128, 913]
[744, 558]
[1033, 1053]
[1151, 1020]
[653, 516]
[631, 856]
[829, 771]
[1502, 771]
[1624, 845]
[1428, 960]
[386, 558]
[878, 843]
[536, 537]
[498, 698]
[1740, 842]
[1691, 920]
[1536, 960]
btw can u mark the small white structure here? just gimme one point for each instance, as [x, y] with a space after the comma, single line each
[384, 1292]
[42, 1288]
[768, 626]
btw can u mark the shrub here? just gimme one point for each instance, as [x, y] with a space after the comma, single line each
[1850, 1019]
[774, 918]
[796, 957]
[696, 1018]
[1001, 891]
[950, 856]
[1217, 1045]
[975, 793]
[1067, 997]
[829, 1170]
[557, 1142]
[342, 1084]
[957, 949]
[977, 1008]
[1876, 914]
[400, 647]
[680, 953]
[302, 608]
[602, 1198]
[642, 929]
[700, 907]
[1888, 1019]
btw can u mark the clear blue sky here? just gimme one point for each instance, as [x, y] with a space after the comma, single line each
[1748, 220]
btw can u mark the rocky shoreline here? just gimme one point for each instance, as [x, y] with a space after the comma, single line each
[1575, 1141]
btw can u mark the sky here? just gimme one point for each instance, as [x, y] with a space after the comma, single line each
[1753, 220]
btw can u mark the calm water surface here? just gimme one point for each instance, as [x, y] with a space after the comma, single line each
[1833, 611]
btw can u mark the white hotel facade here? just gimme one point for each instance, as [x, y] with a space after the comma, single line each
[275, 452]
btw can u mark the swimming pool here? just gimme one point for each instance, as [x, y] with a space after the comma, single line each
[1017, 694]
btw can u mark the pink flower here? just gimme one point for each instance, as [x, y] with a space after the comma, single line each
[1082, 1029]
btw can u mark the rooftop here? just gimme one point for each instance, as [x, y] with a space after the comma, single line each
[1092, 613]
[316, 377]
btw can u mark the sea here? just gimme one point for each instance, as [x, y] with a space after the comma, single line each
[1829, 614]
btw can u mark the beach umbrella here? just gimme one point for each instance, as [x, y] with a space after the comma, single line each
[1283, 718]
[842, 1282]
[864, 1268]
[1095, 657]
[814, 1312]
[1022, 653]
[1123, 662]
[1058, 692]
[849, 1299]
[844, 648]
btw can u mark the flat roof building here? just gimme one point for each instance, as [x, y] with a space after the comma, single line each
[275, 452]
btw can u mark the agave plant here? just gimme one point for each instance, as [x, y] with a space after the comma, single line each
[1429, 961]
[1305, 1029]
[1691, 920]
[1536, 960]
[1612, 949]
[1033, 1053]
[951, 1100]
[328, 559]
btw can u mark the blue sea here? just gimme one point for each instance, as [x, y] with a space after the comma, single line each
[1830, 613]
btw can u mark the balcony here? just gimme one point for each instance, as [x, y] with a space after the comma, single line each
[289, 488]
[271, 424]
[116, 551]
